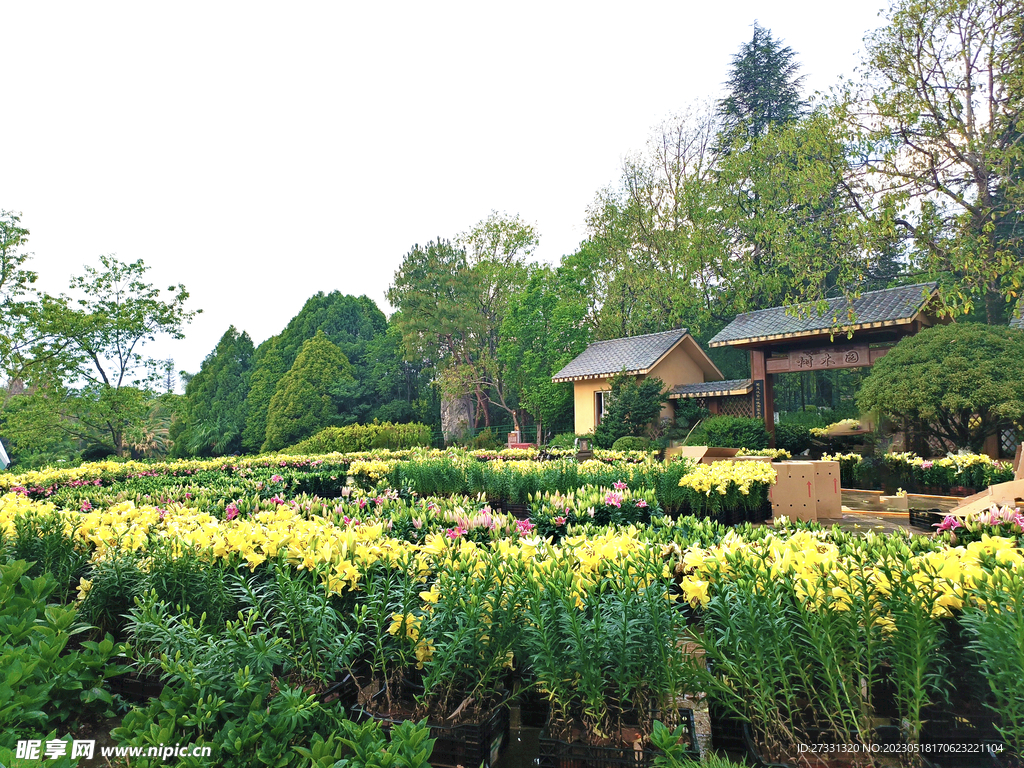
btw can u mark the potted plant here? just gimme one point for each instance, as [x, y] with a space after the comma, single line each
[443, 650]
[603, 650]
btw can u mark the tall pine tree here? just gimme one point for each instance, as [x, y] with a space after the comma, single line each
[764, 90]
[302, 404]
[213, 414]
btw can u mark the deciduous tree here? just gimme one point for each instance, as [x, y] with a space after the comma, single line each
[940, 116]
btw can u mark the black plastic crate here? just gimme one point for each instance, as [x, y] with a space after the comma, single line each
[926, 519]
[555, 753]
[136, 687]
[471, 745]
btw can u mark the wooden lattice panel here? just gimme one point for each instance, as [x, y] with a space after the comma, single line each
[737, 405]
[1008, 443]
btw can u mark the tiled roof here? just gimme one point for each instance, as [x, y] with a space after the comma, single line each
[889, 306]
[634, 354]
[709, 388]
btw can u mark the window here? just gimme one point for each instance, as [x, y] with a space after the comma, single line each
[601, 403]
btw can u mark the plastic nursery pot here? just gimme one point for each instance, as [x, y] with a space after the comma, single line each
[555, 753]
[469, 744]
[138, 687]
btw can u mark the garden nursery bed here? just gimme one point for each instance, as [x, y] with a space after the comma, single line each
[230, 604]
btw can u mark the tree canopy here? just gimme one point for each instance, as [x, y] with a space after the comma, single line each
[764, 89]
[962, 382]
[212, 416]
[634, 405]
[302, 404]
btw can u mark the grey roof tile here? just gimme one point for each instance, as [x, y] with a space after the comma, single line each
[634, 353]
[708, 388]
[887, 305]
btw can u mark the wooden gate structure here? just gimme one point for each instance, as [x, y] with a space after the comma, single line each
[848, 334]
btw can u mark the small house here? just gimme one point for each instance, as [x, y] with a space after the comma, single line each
[672, 356]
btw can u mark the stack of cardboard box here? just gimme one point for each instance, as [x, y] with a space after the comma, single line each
[807, 490]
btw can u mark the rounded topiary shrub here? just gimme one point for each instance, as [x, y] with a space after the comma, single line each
[730, 432]
[630, 443]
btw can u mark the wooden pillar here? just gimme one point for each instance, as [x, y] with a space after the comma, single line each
[764, 399]
[991, 448]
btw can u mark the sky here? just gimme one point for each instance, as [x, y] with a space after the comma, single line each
[261, 152]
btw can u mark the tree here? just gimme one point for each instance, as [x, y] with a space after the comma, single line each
[541, 332]
[655, 256]
[634, 407]
[16, 284]
[452, 299]
[87, 349]
[269, 367]
[351, 323]
[212, 416]
[764, 90]
[939, 117]
[302, 403]
[402, 386]
[790, 209]
[962, 381]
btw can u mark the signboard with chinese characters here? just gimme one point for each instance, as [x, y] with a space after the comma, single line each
[823, 359]
[758, 399]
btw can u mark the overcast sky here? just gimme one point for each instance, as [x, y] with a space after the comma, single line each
[259, 153]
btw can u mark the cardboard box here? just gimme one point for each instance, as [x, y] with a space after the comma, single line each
[1018, 463]
[807, 490]
[828, 495]
[702, 454]
[792, 495]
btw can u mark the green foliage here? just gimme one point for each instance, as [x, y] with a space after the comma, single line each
[16, 284]
[453, 299]
[730, 432]
[616, 644]
[484, 440]
[353, 324]
[996, 627]
[688, 412]
[403, 386]
[221, 691]
[94, 337]
[302, 403]
[564, 440]
[44, 685]
[44, 539]
[269, 366]
[213, 416]
[940, 77]
[673, 750]
[963, 381]
[364, 437]
[763, 89]
[795, 438]
[541, 332]
[364, 745]
[634, 407]
[630, 443]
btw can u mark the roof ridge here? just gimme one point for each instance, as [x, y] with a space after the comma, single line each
[933, 285]
[680, 331]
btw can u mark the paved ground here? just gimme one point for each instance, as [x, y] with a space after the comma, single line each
[864, 510]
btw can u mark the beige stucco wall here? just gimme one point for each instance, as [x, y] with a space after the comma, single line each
[677, 368]
[586, 408]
